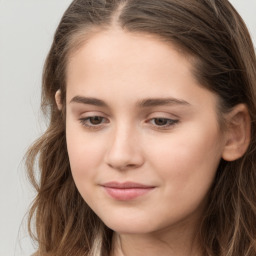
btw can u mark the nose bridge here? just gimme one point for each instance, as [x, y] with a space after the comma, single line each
[124, 148]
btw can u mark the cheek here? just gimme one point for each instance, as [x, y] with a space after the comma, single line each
[84, 159]
[85, 153]
[187, 168]
[188, 161]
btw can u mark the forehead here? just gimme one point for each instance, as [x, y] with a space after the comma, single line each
[101, 42]
[116, 50]
[126, 65]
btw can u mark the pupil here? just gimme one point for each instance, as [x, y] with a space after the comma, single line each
[96, 120]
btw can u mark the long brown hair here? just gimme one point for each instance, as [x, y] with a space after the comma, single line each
[215, 36]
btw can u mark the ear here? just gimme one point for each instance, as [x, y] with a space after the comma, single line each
[58, 99]
[238, 133]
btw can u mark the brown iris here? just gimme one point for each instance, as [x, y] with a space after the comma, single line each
[96, 120]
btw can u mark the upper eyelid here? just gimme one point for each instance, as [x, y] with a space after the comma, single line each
[86, 114]
[89, 114]
[162, 114]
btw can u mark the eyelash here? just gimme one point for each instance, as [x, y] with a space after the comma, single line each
[168, 123]
[87, 122]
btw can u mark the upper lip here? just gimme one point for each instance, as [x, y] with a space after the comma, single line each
[123, 185]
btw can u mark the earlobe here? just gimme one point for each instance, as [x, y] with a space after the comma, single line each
[238, 134]
[58, 99]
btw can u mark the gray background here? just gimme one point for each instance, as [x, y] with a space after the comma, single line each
[26, 31]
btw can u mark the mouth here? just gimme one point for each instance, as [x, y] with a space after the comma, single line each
[126, 191]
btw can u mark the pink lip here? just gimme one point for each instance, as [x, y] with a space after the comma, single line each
[127, 190]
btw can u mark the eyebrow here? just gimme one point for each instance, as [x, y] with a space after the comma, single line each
[154, 102]
[145, 103]
[88, 101]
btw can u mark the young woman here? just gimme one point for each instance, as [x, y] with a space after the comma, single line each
[150, 148]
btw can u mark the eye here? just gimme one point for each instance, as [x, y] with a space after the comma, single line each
[93, 121]
[163, 122]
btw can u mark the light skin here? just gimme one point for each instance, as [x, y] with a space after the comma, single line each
[135, 113]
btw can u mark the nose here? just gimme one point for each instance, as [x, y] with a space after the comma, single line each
[124, 149]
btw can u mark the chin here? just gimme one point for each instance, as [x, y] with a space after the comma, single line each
[130, 226]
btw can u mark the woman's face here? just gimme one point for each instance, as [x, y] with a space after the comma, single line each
[142, 135]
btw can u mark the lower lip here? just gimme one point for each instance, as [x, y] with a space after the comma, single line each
[126, 194]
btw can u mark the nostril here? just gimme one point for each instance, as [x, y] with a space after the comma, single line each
[123, 167]
[131, 166]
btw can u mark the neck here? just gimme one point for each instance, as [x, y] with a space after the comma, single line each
[164, 243]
